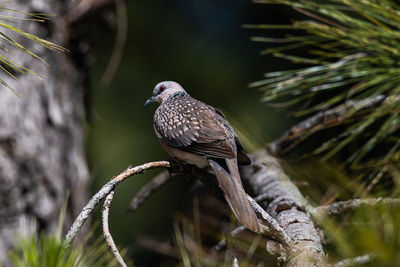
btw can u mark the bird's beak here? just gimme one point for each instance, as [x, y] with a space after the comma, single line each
[151, 99]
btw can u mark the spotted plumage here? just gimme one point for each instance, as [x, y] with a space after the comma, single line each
[193, 126]
[196, 133]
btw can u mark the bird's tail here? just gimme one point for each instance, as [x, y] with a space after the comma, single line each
[234, 193]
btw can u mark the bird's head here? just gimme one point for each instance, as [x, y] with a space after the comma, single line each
[163, 90]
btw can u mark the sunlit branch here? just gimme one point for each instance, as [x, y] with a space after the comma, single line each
[104, 191]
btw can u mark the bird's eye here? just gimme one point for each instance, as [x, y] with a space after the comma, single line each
[162, 88]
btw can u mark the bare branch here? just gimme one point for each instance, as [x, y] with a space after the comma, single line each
[272, 229]
[147, 190]
[106, 231]
[120, 41]
[104, 191]
[285, 204]
[353, 261]
[340, 207]
[282, 207]
[322, 120]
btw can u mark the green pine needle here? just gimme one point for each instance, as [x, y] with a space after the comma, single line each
[7, 64]
[353, 48]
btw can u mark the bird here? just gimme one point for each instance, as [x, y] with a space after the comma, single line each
[198, 134]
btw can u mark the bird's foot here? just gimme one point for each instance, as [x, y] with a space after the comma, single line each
[193, 169]
[177, 166]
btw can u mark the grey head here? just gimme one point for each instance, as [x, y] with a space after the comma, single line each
[164, 90]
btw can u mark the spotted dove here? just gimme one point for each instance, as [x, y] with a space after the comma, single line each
[198, 134]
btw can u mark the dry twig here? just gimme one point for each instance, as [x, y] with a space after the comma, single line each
[106, 231]
[119, 44]
[322, 120]
[104, 191]
[340, 207]
[272, 229]
[281, 204]
[353, 261]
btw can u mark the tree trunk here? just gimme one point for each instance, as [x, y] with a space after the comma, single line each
[41, 135]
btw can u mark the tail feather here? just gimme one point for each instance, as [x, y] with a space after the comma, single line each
[234, 193]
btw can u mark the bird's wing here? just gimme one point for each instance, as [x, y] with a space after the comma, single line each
[200, 130]
[243, 159]
[234, 193]
[195, 127]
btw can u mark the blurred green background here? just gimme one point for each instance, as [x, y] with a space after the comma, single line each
[201, 45]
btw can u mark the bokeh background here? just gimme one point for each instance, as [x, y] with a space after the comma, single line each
[352, 150]
[203, 46]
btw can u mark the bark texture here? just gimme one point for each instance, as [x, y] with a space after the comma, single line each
[41, 134]
[284, 202]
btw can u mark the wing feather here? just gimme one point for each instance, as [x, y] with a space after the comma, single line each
[193, 126]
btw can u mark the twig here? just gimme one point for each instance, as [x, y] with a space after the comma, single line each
[272, 229]
[119, 44]
[106, 231]
[148, 189]
[353, 261]
[322, 120]
[340, 207]
[104, 191]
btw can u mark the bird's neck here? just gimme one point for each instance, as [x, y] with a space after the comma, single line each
[177, 94]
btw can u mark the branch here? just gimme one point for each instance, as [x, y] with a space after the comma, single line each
[119, 44]
[286, 217]
[272, 229]
[147, 190]
[286, 205]
[340, 207]
[104, 191]
[354, 261]
[106, 231]
[322, 120]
